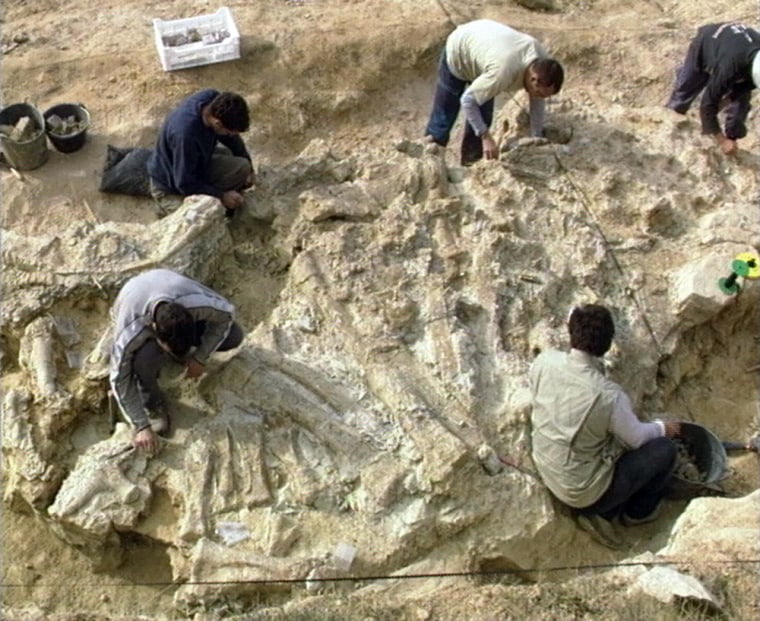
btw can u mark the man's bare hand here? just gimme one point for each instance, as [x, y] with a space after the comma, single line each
[728, 146]
[490, 148]
[232, 199]
[194, 369]
[147, 440]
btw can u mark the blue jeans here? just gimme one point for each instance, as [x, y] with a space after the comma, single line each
[640, 481]
[446, 104]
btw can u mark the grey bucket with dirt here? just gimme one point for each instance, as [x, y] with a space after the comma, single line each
[22, 136]
[702, 461]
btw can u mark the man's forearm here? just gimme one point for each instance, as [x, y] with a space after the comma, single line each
[129, 400]
[472, 114]
[537, 116]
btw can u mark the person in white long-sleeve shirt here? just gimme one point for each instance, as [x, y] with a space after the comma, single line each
[482, 59]
[590, 448]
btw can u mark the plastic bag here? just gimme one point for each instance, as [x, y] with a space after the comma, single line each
[126, 171]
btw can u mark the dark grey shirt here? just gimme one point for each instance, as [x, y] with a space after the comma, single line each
[133, 314]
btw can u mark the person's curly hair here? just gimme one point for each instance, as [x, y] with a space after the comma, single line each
[175, 327]
[591, 329]
[232, 110]
[549, 73]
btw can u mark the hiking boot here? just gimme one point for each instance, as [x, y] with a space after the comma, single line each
[628, 520]
[160, 422]
[601, 530]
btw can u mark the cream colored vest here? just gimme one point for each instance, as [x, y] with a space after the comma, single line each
[573, 446]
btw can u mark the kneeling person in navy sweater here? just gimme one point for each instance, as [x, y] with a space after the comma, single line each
[199, 151]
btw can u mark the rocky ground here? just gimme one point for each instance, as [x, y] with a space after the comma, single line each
[392, 301]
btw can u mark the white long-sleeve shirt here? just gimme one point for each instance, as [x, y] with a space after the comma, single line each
[626, 426]
[493, 57]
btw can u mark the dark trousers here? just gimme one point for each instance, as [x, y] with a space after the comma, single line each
[640, 481]
[446, 104]
[691, 79]
[151, 358]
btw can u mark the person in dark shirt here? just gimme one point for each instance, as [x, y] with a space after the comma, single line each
[199, 151]
[723, 61]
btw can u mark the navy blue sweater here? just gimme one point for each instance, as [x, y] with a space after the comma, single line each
[727, 51]
[182, 157]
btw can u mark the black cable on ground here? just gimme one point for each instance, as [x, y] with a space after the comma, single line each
[418, 576]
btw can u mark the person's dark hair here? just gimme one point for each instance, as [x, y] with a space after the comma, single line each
[591, 329]
[549, 73]
[231, 110]
[175, 326]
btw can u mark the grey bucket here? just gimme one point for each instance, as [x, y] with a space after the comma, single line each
[27, 154]
[707, 453]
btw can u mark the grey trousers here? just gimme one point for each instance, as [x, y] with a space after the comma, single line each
[227, 172]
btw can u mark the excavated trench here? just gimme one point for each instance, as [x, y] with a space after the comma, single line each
[392, 304]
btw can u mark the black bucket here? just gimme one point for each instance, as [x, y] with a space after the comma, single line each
[31, 152]
[68, 141]
[702, 461]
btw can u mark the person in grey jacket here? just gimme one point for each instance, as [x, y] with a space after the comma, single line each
[589, 447]
[159, 316]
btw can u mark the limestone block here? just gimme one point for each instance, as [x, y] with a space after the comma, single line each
[234, 572]
[106, 493]
[716, 528]
[501, 538]
[88, 257]
[37, 356]
[734, 223]
[347, 201]
[282, 532]
[414, 171]
[531, 159]
[695, 293]
[222, 472]
[412, 523]
[669, 585]
[443, 453]
[382, 484]
[30, 479]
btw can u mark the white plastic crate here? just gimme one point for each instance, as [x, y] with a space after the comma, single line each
[194, 41]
